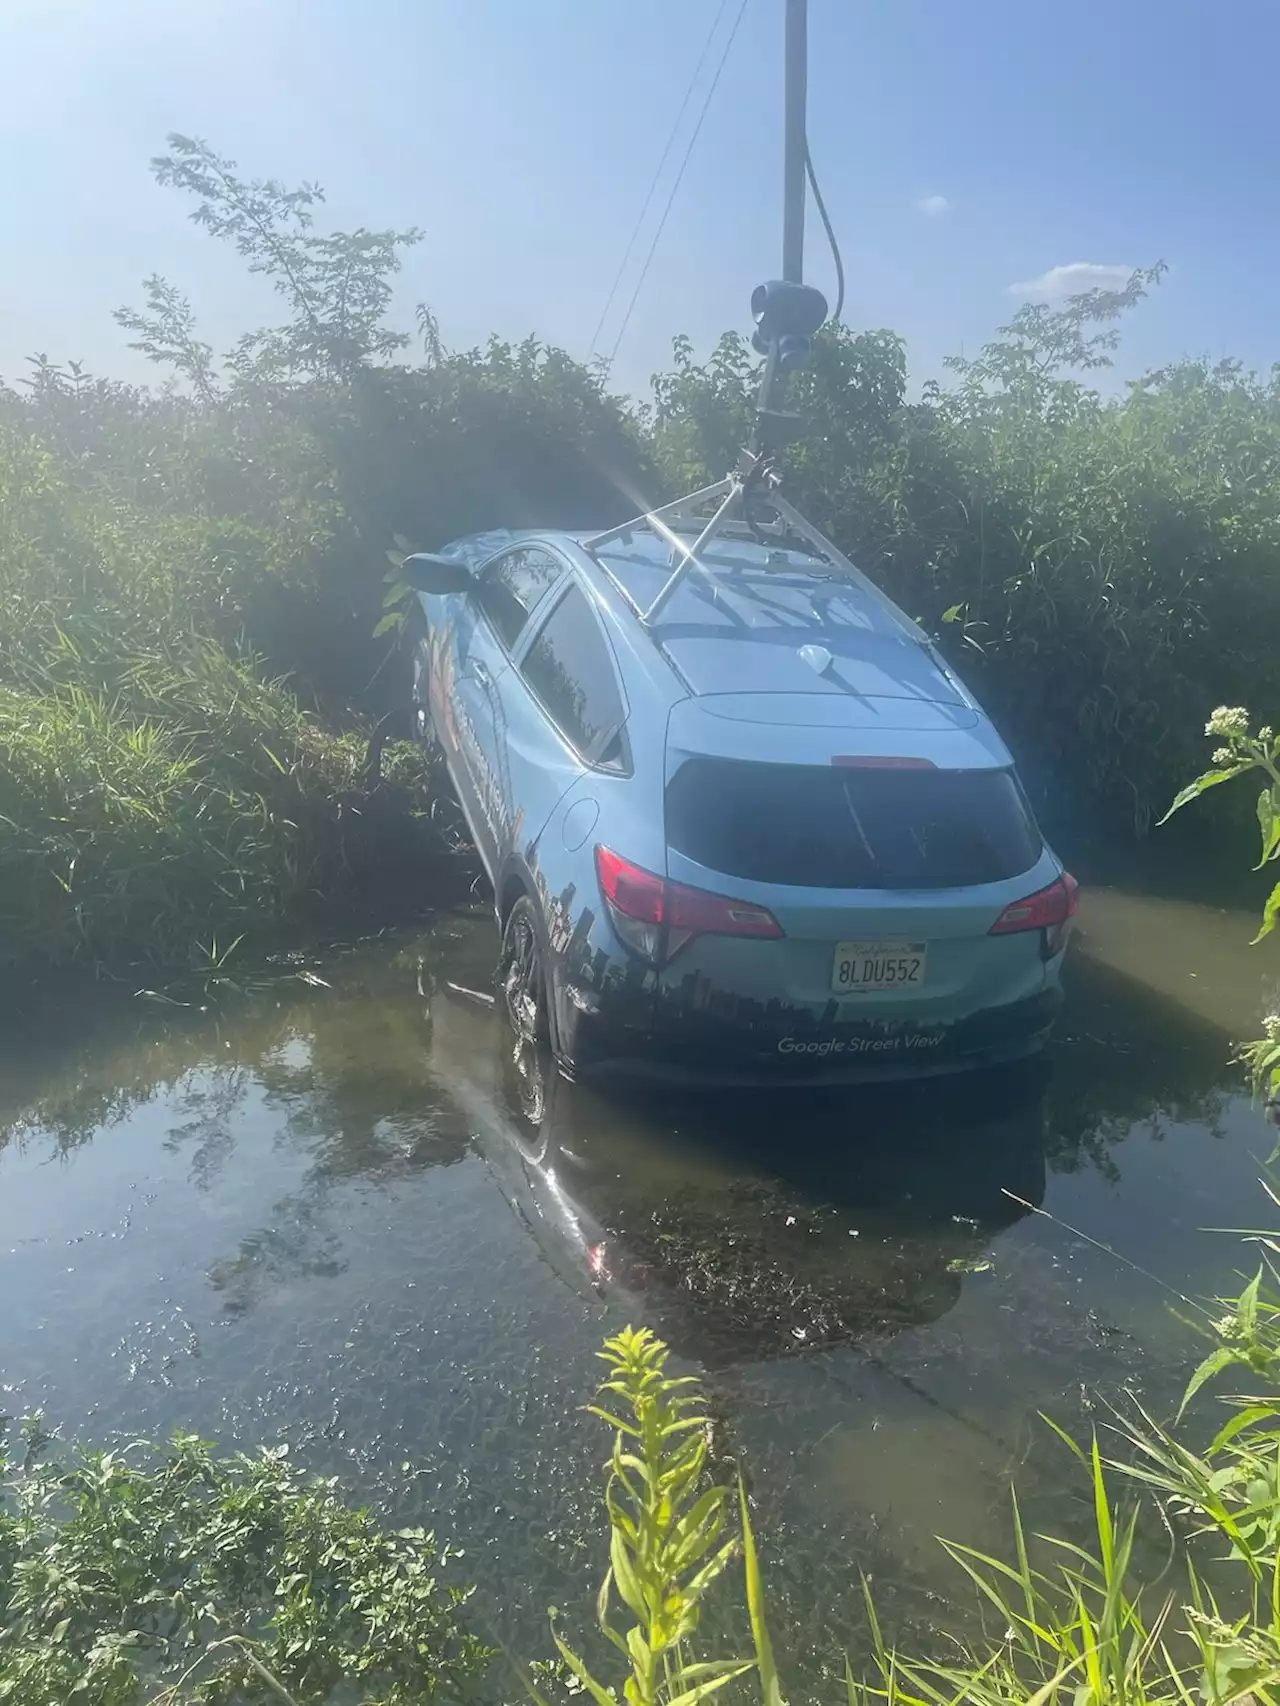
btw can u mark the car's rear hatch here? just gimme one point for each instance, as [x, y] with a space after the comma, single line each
[885, 834]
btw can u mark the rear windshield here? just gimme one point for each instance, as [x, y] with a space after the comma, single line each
[833, 827]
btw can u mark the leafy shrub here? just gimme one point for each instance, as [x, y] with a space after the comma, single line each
[189, 1579]
[671, 1538]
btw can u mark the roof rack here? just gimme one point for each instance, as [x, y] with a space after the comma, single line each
[731, 497]
[787, 314]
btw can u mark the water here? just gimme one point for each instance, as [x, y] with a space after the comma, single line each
[339, 1213]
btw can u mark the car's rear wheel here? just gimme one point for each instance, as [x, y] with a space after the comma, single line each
[523, 1000]
[522, 978]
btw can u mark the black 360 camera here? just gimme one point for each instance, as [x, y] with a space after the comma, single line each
[786, 316]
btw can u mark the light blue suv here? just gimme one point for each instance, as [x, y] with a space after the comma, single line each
[743, 823]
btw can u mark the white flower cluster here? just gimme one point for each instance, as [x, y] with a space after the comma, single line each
[1271, 1027]
[1229, 720]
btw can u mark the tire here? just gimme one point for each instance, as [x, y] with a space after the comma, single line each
[523, 991]
[524, 1006]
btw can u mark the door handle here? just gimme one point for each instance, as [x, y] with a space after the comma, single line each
[481, 672]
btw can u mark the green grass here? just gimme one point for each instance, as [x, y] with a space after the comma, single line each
[194, 802]
[158, 792]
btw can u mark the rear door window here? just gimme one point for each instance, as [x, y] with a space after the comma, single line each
[570, 669]
[509, 589]
[835, 827]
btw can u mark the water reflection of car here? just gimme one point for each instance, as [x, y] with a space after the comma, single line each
[708, 1220]
[761, 835]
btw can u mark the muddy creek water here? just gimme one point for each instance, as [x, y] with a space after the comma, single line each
[339, 1213]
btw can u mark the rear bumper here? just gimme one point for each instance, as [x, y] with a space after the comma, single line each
[693, 1048]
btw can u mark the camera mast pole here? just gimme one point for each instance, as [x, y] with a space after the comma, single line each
[795, 147]
[787, 313]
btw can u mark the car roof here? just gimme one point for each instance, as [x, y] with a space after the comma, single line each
[770, 618]
[773, 618]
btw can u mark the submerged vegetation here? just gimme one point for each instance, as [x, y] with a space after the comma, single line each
[196, 641]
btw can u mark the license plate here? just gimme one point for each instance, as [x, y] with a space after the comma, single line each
[863, 966]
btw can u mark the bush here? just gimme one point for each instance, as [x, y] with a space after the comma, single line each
[190, 1579]
[192, 653]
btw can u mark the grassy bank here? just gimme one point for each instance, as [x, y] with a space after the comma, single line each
[160, 791]
[193, 805]
[194, 646]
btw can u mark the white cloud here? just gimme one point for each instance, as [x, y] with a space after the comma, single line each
[932, 205]
[1070, 280]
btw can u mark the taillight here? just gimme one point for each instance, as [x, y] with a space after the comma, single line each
[1050, 909]
[656, 917]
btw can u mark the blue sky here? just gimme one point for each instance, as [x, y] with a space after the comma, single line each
[963, 149]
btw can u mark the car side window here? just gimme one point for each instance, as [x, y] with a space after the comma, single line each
[570, 669]
[510, 588]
